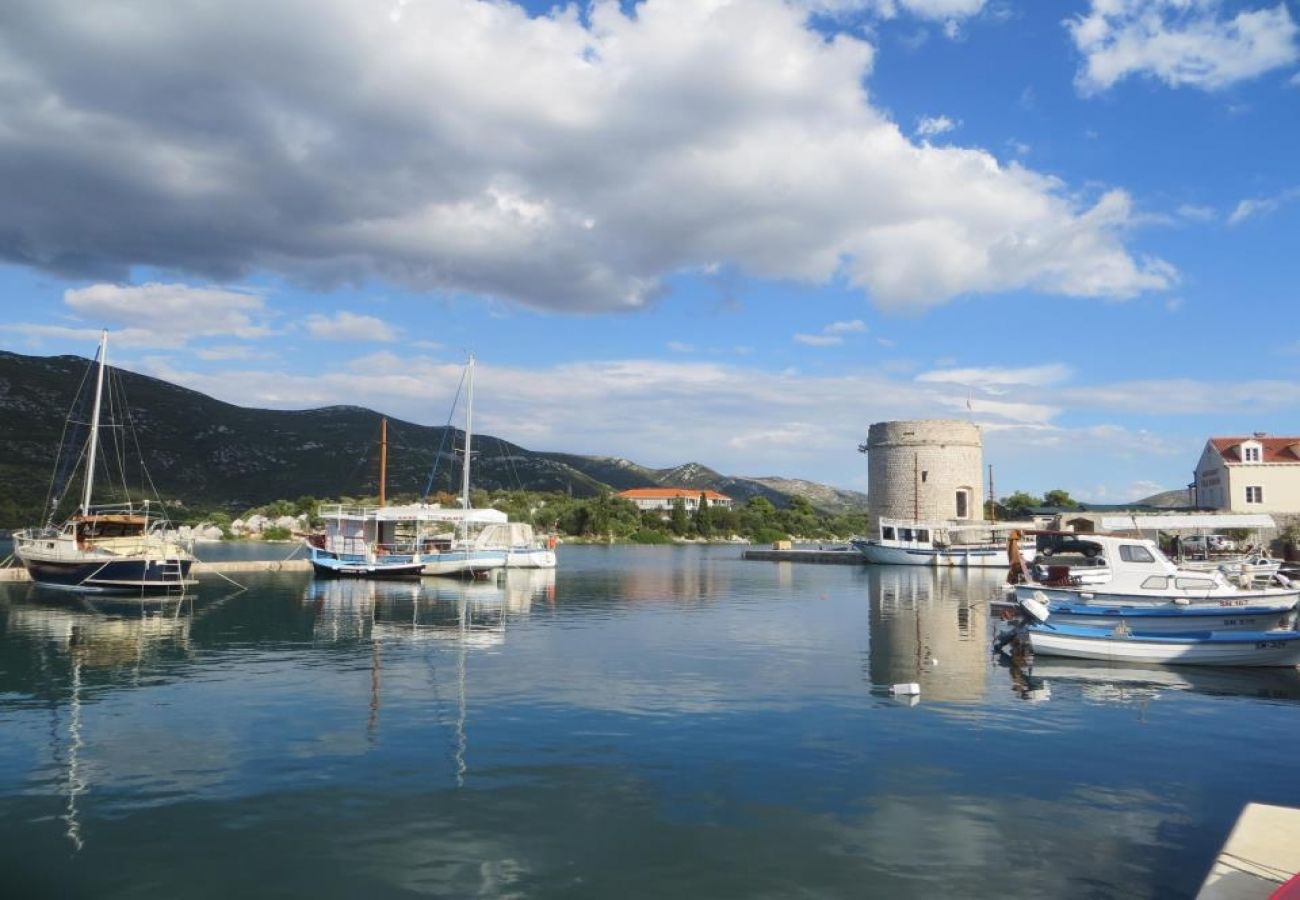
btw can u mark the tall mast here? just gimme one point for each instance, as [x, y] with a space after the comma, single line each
[94, 427]
[469, 431]
[383, 458]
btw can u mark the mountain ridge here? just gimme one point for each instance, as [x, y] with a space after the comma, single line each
[207, 453]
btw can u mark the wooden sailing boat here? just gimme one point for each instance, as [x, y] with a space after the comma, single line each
[104, 548]
[355, 544]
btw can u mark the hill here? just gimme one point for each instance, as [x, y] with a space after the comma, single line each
[207, 454]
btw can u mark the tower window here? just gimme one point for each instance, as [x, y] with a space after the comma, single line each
[963, 504]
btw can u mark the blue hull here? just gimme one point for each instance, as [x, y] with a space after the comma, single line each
[122, 576]
[331, 565]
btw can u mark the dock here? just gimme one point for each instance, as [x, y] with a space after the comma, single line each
[833, 557]
[200, 568]
[1262, 853]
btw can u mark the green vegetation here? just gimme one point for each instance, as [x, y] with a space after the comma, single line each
[607, 517]
[1017, 505]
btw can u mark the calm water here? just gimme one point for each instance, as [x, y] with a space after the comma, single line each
[647, 722]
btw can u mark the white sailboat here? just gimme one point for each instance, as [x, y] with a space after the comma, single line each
[460, 556]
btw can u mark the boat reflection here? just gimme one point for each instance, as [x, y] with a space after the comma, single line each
[97, 645]
[930, 627]
[1127, 683]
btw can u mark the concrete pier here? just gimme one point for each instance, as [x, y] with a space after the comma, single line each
[201, 568]
[833, 557]
[1261, 854]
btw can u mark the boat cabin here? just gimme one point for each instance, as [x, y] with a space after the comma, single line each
[1065, 559]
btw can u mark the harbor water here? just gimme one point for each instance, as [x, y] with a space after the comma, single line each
[643, 722]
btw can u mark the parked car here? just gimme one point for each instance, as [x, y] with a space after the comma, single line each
[1201, 544]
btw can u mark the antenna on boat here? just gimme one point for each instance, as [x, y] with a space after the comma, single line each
[94, 426]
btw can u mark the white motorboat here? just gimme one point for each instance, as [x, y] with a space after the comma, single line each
[965, 545]
[523, 549]
[1114, 571]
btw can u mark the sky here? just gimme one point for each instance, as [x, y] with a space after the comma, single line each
[731, 232]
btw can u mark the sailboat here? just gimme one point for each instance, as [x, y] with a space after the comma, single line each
[458, 555]
[115, 548]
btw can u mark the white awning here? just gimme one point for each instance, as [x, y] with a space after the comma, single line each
[1189, 521]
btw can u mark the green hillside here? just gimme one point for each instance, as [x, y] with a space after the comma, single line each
[208, 454]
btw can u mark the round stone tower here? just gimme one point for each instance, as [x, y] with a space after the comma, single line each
[929, 470]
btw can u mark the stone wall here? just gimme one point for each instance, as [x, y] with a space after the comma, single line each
[916, 468]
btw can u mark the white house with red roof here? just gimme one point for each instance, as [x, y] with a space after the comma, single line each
[663, 498]
[1249, 474]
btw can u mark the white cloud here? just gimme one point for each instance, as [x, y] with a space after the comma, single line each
[1180, 42]
[680, 347]
[1262, 205]
[1035, 376]
[854, 326]
[819, 340]
[1196, 213]
[346, 326]
[229, 352]
[156, 315]
[933, 10]
[572, 161]
[930, 126]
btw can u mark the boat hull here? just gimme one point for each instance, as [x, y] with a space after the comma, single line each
[974, 557]
[1243, 648]
[463, 563]
[330, 565]
[1174, 621]
[1093, 596]
[128, 575]
[530, 558]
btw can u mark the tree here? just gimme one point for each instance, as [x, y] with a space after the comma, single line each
[703, 518]
[1060, 499]
[678, 523]
[1019, 503]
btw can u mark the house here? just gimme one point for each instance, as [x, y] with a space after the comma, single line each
[662, 499]
[1258, 474]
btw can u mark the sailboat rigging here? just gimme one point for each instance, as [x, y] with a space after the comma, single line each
[107, 548]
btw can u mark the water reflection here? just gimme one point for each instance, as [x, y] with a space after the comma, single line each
[1105, 682]
[930, 627]
[73, 643]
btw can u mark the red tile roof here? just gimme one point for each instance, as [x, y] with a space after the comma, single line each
[669, 494]
[1276, 449]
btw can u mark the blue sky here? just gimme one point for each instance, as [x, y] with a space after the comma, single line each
[733, 233]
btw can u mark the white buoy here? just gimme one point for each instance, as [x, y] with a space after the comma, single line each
[910, 689]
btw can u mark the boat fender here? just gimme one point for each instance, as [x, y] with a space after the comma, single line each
[1282, 579]
[1182, 601]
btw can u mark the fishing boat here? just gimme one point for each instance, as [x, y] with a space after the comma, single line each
[1205, 648]
[1033, 634]
[121, 548]
[1117, 571]
[358, 543]
[965, 545]
[1174, 619]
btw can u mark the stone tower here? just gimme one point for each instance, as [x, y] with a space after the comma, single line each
[929, 470]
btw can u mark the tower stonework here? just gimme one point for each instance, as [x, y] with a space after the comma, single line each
[929, 470]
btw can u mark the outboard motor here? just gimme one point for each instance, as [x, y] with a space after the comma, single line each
[1033, 611]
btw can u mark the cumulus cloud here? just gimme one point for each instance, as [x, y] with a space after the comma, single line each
[933, 10]
[930, 126]
[833, 334]
[1183, 43]
[569, 161]
[346, 326]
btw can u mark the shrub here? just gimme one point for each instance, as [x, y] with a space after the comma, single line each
[646, 536]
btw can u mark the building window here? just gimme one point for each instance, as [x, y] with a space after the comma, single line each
[924, 475]
[1251, 454]
[1254, 494]
[963, 504]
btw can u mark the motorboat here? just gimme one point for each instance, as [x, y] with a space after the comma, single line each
[1033, 634]
[960, 544]
[1118, 571]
